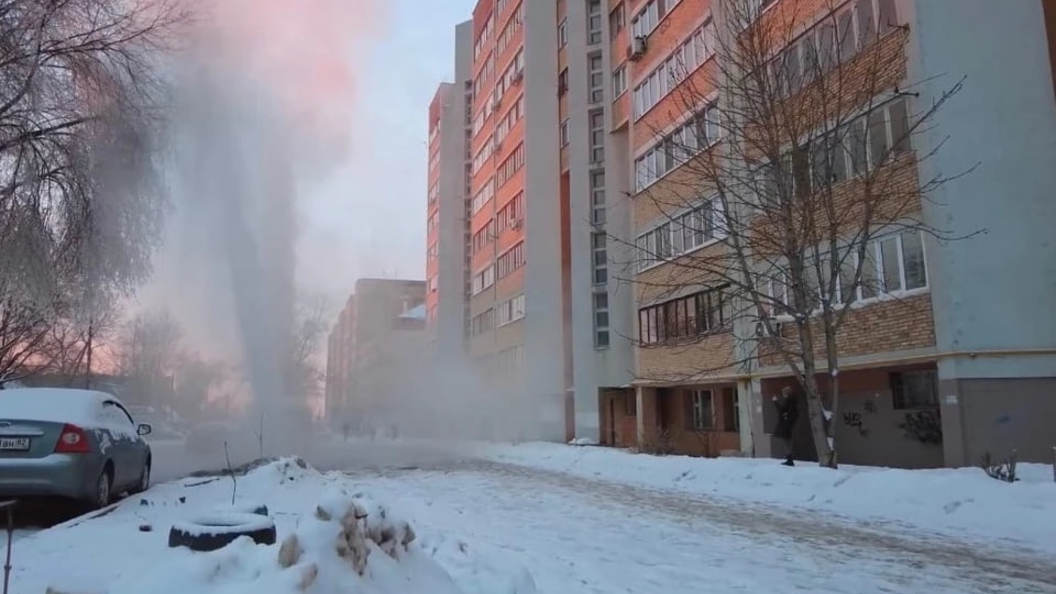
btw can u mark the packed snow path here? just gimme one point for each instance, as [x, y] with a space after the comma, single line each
[578, 535]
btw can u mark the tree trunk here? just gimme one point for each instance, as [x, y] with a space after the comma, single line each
[815, 407]
[834, 377]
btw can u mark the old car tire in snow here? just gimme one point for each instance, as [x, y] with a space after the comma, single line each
[215, 531]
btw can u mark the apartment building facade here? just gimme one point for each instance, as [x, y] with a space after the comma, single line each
[541, 316]
[578, 217]
[937, 366]
[376, 344]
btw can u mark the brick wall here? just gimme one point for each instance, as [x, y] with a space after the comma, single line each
[884, 326]
[707, 356]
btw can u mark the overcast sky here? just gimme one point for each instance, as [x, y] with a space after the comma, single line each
[368, 219]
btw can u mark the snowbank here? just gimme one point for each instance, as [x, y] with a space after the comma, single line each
[331, 538]
[963, 502]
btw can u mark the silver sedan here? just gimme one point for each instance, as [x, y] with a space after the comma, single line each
[77, 444]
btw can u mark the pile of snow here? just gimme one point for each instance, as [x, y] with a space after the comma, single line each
[331, 538]
[347, 544]
[963, 502]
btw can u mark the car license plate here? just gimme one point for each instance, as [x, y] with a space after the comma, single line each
[14, 443]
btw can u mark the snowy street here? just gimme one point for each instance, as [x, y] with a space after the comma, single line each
[490, 524]
[579, 535]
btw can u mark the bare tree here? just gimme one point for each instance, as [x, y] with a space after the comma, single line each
[80, 100]
[801, 158]
[150, 352]
[304, 375]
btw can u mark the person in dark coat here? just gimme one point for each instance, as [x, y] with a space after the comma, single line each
[787, 413]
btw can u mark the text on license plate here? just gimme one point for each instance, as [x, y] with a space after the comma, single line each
[14, 443]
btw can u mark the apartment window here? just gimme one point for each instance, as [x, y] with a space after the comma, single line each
[484, 236]
[482, 38]
[597, 136]
[643, 23]
[511, 310]
[685, 318]
[562, 82]
[600, 258]
[433, 218]
[701, 411]
[512, 213]
[826, 44]
[564, 133]
[510, 166]
[730, 409]
[483, 322]
[695, 135]
[482, 156]
[482, 197]
[593, 22]
[513, 74]
[483, 279]
[619, 80]
[914, 389]
[487, 72]
[894, 264]
[601, 319]
[510, 261]
[597, 197]
[509, 120]
[510, 30]
[509, 361]
[617, 20]
[687, 57]
[864, 143]
[562, 33]
[596, 78]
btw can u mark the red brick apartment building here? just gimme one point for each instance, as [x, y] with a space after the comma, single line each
[571, 108]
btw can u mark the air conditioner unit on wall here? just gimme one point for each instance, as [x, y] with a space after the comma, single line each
[517, 224]
[637, 49]
[518, 76]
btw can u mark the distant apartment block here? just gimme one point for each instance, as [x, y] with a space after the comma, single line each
[377, 340]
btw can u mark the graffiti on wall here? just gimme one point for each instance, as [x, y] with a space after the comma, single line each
[854, 419]
[924, 426]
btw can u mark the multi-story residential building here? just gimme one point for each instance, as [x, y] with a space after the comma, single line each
[375, 344]
[949, 358]
[447, 303]
[340, 353]
[573, 290]
[546, 316]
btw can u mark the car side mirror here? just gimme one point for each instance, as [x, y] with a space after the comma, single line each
[143, 429]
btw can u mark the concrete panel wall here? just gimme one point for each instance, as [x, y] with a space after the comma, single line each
[1001, 415]
[987, 289]
[542, 277]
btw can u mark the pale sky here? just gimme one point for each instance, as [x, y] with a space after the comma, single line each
[368, 219]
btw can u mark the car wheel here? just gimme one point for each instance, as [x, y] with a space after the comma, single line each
[217, 530]
[144, 479]
[101, 497]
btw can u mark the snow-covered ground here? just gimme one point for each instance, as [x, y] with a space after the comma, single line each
[962, 503]
[569, 520]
